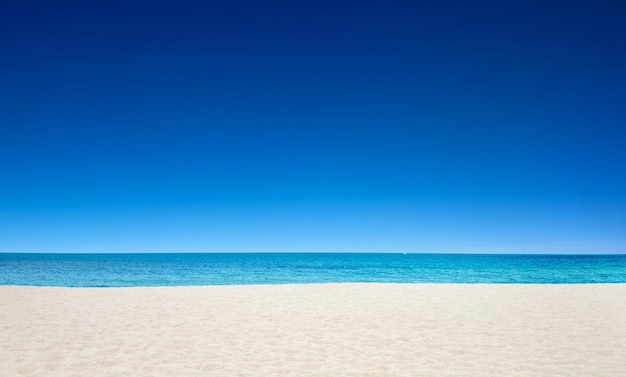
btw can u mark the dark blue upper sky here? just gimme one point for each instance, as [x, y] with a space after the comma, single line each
[438, 126]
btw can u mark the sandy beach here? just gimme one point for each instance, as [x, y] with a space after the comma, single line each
[315, 330]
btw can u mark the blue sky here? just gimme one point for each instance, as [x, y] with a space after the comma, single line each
[313, 126]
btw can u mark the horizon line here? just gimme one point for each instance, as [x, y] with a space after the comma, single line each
[306, 252]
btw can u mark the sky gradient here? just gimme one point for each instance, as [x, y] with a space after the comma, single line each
[301, 126]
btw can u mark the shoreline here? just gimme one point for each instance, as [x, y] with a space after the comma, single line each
[315, 284]
[327, 329]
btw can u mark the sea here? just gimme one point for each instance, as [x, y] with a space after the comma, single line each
[180, 269]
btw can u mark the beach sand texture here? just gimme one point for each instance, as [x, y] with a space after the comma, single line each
[315, 330]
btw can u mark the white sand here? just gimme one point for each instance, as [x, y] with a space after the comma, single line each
[315, 330]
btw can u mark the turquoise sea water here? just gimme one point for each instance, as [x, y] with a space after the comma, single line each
[119, 270]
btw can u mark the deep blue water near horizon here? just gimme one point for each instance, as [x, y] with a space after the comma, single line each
[126, 270]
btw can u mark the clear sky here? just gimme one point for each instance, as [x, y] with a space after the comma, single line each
[415, 126]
